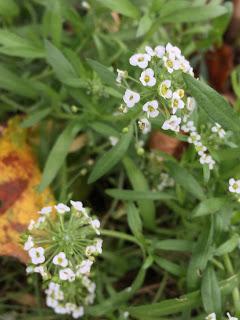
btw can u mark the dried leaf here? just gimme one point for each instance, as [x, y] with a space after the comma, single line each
[19, 200]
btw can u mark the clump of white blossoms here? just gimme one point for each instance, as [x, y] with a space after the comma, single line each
[62, 246]
[213, 316]
[234, 186]
[160, 91]
[165, 181]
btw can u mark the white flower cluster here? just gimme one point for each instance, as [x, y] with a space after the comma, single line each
[213, 316]
[195, 139]
[62, 247]
[166, 181]
[218, 130]
[158, 67]
[234, 186]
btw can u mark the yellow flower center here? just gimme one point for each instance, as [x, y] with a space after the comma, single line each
[181, 93]
[140, 59]
[164, 89]
[151, 108]
[146, 78]
[175, 103]
[169, 63]
[131, 97]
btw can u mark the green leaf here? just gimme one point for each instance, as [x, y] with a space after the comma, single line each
[55, 21]
[209, 206]
[144, 25]
[14, 45]
[106, 75]
[140, 183]
[58, 154]
[213, 104]
[124, 7]
[169, 266]
[186, 302]
[16, 84]
[194, 14]
[134, 220]
[8, 8]
[132, 195]
[228, 246]
[61, 66]
[104, 129]
[202, 252]
[173, 245]
[34, 118]
[109, 159]
[210, 292]
[185, 179]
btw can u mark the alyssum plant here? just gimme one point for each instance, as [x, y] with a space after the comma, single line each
[194, 193]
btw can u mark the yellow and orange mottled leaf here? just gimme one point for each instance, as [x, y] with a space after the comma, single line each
[19, 178]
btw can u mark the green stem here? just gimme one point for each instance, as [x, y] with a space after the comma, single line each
[235, 292]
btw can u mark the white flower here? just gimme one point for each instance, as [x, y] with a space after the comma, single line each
[201, 149]
[219, 130]
[230, 317]
[165, 90]
[29, 269]
[77, 205]
[121, 74]
[176, 103]
[194, 137]
[188, 127]
[207, 159]
[171, 63]
[62, 208]
[45, 210]
[173, 50]
[98, 245]
[140, 59]
[211, 316]
[42, 270]
[51, 302]
[60, 309]
[37, 255]
[86, 5]
[31, 225]
[60, 260]
[39, 221]
[67, 274]
[84, 267]
[160, 51]
[89, 298]
[95, 225]
[125, 315]
[151, 108]
[113, 140]
[131, 98]
[150, 51]
[147, 78]
[173, 123]
[29, 243]
[191, 104]
[78, 313]
[234, 185]
[144, 125]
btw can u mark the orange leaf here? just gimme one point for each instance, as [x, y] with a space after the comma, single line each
[19, 200]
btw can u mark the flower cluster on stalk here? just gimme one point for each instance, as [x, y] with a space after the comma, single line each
[161, 91]
[213, 316]
[62, 246]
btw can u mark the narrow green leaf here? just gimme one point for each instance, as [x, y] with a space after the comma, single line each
[134, 220]
[58, 154]
[169, 266]
[186, 180]
[34, 118]
[173, 245]
[104, 129]
[195, 14]
[61, 66]
[144, 25]
[213, 104]
[209, 206]
[140, 183]
[124, 7]
[210, 292]
[133, 195]
[228, 246]
[14, 45]
[56, 21]
[16, 84]
[111, 157]
[106, 75]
